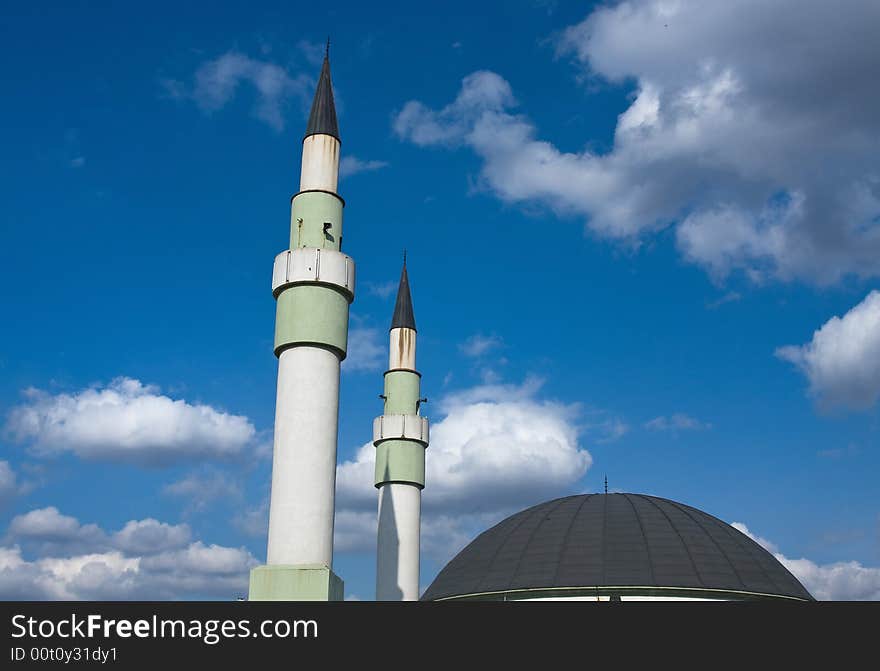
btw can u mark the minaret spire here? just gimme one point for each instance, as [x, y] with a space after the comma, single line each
[403, 309]
[322, 118]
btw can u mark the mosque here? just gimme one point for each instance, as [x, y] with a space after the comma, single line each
[589, 547]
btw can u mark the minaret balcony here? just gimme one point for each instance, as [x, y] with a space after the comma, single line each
[401, 427]
[311, 265]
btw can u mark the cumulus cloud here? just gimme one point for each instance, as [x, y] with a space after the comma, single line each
[217, 81]
[48, 532]
[175, 575]
[842, 361]
[478, 344]
[840, 581]
[145, 560]
[366, 350]
[149, 536]
[127, 421]
[742, 134]
[496, 449]
[504, 449]
[678, 421]
[351, 165]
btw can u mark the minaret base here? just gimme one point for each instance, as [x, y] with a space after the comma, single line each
[306, 582]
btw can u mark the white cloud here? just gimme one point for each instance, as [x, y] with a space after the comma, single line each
[840, 581]
[149, 536]
[203, 489]
[127, 421]
[842, 361]
[217, 81]
[45, 523]
[478, 344]
[497, 449]
[482, 94]
[48, 532]
[714, 81]
[351, 165]
[366, 350]
[504, 449]
[678, 421]
[145, 560]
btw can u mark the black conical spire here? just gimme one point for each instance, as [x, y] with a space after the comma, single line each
[403, 310]
[322, 118]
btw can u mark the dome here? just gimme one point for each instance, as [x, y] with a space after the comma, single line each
[617, 545]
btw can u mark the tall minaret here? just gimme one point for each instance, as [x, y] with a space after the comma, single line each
[400, 436]
[313, 283]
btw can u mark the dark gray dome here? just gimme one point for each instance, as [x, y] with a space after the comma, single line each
[641, 544]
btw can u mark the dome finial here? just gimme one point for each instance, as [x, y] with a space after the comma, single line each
[606, 484]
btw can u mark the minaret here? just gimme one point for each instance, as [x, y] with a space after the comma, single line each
[313, 284]
[400, 435]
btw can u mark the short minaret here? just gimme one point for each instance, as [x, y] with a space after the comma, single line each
[313, 284]
[400, 435]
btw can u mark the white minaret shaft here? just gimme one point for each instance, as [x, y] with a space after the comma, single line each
[313, 283]
[400, 436]
[301, 510]
[397, 552]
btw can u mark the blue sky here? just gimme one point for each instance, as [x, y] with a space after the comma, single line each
[629, 231]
